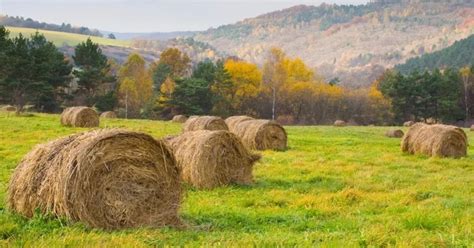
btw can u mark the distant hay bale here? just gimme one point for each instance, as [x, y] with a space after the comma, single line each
[108, 115]
[205, 123]
[80, 117]
[340, 123]
[234, 120]
[107, 179]
[179, 119]
[262, 134]
[472, 127]
[9, 108]
[408, 123]
[394, 133]
[435, 140]
[209, 159]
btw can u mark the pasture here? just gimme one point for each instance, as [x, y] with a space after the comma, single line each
[334, 186]
[70, 39]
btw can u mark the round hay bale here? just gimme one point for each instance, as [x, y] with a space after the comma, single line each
[472, 127]
[80, 117]
[262, 135]
[204, 123]
[108, 115]
[394, 133]
[435, 140]
[179, 119]
[340, 123]
[408, 123]
[209, 159]
[107, 179]
[9, 108]
[233, 121]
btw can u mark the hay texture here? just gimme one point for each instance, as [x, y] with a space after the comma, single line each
[408, 123]
[80, 117]
[179, 119]
[108, 115]
[394, 133]
[204, 123]
[435, 140]
[340, 123]
[261, 135]
[233, 121]
[209, 159]
[107, 179]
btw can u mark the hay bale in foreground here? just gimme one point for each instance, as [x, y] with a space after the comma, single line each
[107, 179]
[408, 123]
[435, 140]
[262, 135]
[179, 119]
[108, 115]
[233, 121]
[394, 133]
[340, 123]
[9, 108]
[205, 123]
[80, 117]
[209, 159]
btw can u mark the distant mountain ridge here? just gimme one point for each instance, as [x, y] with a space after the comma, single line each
[162, 36]
[354, 43]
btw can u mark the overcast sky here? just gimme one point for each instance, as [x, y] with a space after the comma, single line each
[149, 15]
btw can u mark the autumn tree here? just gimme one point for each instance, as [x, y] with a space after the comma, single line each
[246, 81]
[274, 74]
[177, 62]
[135, 88]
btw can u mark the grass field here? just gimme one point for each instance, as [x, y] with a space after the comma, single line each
[61, 38]
[334, 187]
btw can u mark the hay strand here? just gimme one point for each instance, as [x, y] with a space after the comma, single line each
[261, 135]
[80, 117]
[233, 121]
[204, 123]
[107, 179]
[435, 140]
[408, 123]
[209, 159]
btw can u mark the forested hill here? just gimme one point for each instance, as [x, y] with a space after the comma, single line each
[11, 21]
[353, 43]
[460, 54]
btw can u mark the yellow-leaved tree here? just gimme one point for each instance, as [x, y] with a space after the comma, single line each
[246, 81]
[135, 85]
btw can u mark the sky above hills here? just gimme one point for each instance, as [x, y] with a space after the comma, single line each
[149, 15]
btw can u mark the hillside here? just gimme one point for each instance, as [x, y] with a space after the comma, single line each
[61, 38]
[353, 43]
[460, 54]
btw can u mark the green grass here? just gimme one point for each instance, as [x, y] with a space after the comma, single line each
[61, 38]
[334, 187]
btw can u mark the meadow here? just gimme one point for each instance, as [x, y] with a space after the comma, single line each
[70, 39]
[333, 187]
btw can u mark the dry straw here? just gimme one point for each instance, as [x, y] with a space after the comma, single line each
[340, 123]
[233, 121]
[394, 133]
[204, 123]
[210, 159]
[408, 123]
[435, 140]
[179, 119]
[80, 117]
[261, 134]
[107, 179]
[108, 115]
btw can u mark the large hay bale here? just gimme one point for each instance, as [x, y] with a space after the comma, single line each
[80, 117]
[209, 159]
[262, 134]
[408, 123]
[106, 178]
[435, 140]
[9, 108]
[340, 123]
[233, 121]
[394, 133]
[179, 119]
[204, 123]
[108, 115]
